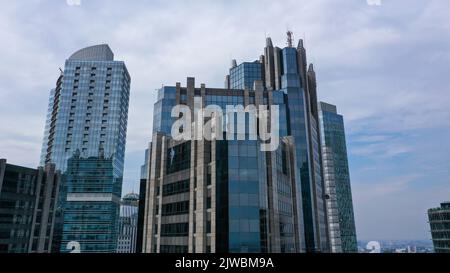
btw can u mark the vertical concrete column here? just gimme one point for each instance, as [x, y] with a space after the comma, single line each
[269, 65]
[163, 153]
[150, 202]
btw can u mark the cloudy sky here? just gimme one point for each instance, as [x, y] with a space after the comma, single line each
[385, 66]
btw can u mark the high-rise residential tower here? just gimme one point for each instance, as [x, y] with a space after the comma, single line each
[230, 195]
[85, 139]
[341, 218]
[440, 227]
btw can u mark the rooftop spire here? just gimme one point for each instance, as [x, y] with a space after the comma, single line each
[269, 42]
[300, 44]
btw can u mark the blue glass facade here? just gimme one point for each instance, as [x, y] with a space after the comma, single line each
[244, 75]
[47, 127]
[262, 201]
[292, 86]
[162, 120]
[246, 198]
[89, 120]
[91, 211]
[337, 181]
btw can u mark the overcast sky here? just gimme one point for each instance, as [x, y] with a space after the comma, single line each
[385, 66]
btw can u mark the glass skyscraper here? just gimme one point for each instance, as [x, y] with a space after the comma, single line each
[337, 181]
[226, 196]
[85, 138]
[439, 219]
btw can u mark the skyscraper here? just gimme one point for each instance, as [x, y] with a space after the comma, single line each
[440, 225]
[142, 197]
[341, 218]
[27, 208]
[225, 195]
[86, 141]
[126, 242]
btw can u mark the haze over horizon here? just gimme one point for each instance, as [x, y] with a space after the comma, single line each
[385, 67]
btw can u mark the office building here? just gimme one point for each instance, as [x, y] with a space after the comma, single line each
[142, 196]
[243, 76]
[341, 218]
[85, 138]
[440, 227]
[230, 195]
[126, 242]
[27, 208]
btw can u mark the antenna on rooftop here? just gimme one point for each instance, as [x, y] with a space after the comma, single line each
[290, 38]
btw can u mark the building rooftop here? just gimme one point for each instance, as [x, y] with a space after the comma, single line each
[323, 106]
[94, 53]
[131, 197]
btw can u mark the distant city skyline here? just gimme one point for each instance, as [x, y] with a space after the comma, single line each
[384, 66]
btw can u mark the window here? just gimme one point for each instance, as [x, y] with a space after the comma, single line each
[208, 203]
[178, 158]
[176, 188]
[175, 208]
[208, 227]
[175, 230]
